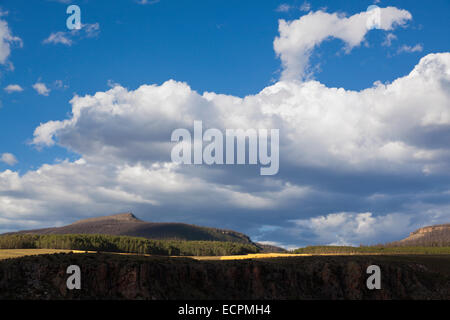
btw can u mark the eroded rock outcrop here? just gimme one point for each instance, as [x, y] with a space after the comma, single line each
[437, 235]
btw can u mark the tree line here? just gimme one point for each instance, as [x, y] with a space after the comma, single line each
[127, 244]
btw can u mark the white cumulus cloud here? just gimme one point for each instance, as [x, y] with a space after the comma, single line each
[59, 37]
[6, 40]
[8, 158]
[284, 7]
[298, 38]
[67, 38]
[410, 49]
[41, 88]
[13, 88]
[379, 128]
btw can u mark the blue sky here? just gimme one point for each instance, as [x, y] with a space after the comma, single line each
[224, 47]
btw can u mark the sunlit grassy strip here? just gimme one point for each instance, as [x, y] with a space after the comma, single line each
[17, 253]
[119, 253]
[288, 255]
[265, 255]
[284, 255]
[84, 251]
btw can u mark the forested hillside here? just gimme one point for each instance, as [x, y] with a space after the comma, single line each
[127, 244]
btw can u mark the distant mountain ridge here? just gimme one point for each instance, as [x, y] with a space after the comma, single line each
[127, 224]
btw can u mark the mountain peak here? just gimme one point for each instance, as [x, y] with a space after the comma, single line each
[120, 217]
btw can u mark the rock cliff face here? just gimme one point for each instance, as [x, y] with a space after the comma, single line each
[106, 276]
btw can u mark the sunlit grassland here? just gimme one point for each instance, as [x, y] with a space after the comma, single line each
[16, 253]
